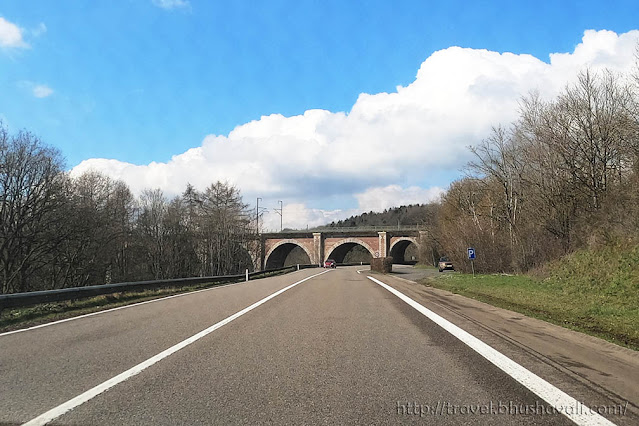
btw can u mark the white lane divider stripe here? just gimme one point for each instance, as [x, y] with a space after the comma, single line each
[561, 401]
[58, 411]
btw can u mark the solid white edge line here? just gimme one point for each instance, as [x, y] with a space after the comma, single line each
[61, 409]
[561, 401]
[6, 333]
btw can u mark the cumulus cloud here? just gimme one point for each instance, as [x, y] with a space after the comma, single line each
[37, 90]
[11, 35]
[300, 216]
[171, 4]
[381, 198]
[39, 30]
[400, 138]
[42, 91]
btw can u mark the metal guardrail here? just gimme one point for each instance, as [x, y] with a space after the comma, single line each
[17, 300]
[354, 264]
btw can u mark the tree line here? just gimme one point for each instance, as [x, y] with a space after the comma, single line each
[563, 176]
[59, 231]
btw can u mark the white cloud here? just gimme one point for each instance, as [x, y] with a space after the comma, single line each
[11, 35]
[37, 90]
[400, 138]
[171, 4]
[39, 30]
[300, 216]
[42, 91]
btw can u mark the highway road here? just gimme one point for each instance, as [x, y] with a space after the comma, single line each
[311, 347]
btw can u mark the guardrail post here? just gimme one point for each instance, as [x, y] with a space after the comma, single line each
[247, 277]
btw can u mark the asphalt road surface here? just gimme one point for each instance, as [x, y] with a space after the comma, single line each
[409, 272]
[337, 348]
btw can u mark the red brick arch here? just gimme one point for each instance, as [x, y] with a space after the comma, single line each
[396, 240]
[360, 241]
[299, 243]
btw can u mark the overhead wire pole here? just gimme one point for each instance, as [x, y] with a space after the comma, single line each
[257, 217]
[280, 211]
[258, 211]
[257, 225]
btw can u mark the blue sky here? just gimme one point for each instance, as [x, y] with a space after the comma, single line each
[141, 81]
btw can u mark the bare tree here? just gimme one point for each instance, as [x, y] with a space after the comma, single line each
[499, 159]
[152, 230]
[97, 227]
[225, 229]
[592, 134]
[31, 181]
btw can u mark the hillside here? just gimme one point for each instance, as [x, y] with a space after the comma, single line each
[413, 214]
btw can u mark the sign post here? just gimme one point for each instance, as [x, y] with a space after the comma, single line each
[471, 256]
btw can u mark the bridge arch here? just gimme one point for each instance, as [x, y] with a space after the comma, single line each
[398, 248]
[276, 257]
[339, 250]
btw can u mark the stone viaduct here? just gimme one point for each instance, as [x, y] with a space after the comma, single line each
[335, 244]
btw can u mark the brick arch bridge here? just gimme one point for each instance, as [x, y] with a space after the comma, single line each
[319, 246]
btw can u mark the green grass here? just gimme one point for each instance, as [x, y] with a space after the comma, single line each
[11, 319]
[596, 292]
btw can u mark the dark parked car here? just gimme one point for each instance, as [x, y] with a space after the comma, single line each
[444, 264]
[330, 263]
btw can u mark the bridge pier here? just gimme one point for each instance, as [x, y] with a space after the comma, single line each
[382, 245]
[318, 248]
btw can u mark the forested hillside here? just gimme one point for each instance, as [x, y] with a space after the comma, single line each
[418, 214]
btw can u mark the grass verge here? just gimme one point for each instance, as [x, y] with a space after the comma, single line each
[595, 292]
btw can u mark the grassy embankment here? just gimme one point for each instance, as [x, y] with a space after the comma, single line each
[11, 319]
[596, 292]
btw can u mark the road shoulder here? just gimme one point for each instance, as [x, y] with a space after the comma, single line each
[591, 369]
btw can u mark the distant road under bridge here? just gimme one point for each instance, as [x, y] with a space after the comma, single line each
[287, 248]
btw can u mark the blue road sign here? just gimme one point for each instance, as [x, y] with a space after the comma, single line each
[471, 253]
